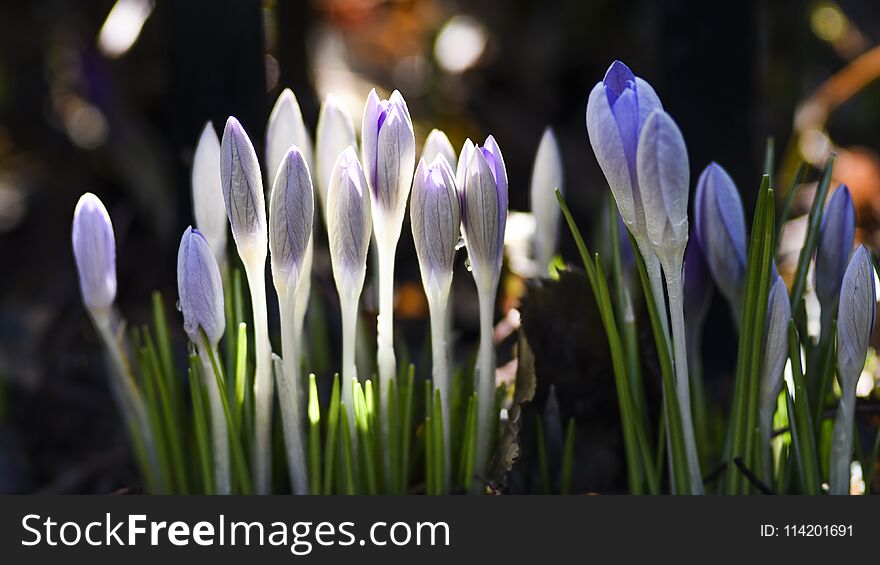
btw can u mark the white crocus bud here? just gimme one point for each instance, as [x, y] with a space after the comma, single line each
[285, 128]
[334, 135]
[209, 209]
[547, 177]
[438, 144]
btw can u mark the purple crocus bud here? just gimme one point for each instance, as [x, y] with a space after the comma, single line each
[856, 316]
[292, 209]
[207, 196]
[436, 217]
[200, 288]
[334, 134]
[616, 112]
[664, 175]
[348, 222]
[243, 190]
[285, 128]
[721, 228]
[483, 195]
[438, 144]
[94, 250]
[547, 177]
[388, 149]
[833, 249]
[773, 363]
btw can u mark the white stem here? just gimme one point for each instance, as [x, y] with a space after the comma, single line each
[256, 277]
[765, 428]
[440, 370]
[385, 360]
[655, 277]
[301, 307]
[219, 431]
[290, 393]
[673, 268]
[842, 442]
[125, 391]
[349, 366]
[485, 383]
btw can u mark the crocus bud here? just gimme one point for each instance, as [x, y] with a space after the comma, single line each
[547, 176]
[436, 217]
[285, 128]
[662, 164]
[438, 144]
[721, 228]
[334, 134]
[200, 288]
[388, 149]
[348, 222]
[207, 196]
[243, 191]
[833, 249]
[775, 347]
[855, 317]
[94, 249]
[292, 208]
[483, 194]
[616, 112]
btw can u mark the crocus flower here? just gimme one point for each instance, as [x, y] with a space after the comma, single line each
[291, 207]
[349, 224]
[773, 363]
[483, 194]
[833, 249]
[285, 128]
[857, 312]
[201, 300]
[200, 288]
[438, 144]
[547, 177]
[94, 248]
[436, 217]
[246, 208]
[721, 228]
[207, 196]
[335, 133]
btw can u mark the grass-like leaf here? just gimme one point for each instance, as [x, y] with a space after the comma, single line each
[330, 445]
[314, 412]
[567, 459]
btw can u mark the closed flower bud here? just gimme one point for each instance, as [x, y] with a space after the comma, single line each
[438, 144]
[483, 195]
[721, 228]
[94, 249]
[616, 112]
[436, 217]
[547, 176]
[662, 164]
[291, 208]
[348, 222]
[775, 346]
[285, 128]
[200, 288]
[833, 249]
[855, 317]
[243, 190]
[388, 150]
[334, 134]
[207, 196]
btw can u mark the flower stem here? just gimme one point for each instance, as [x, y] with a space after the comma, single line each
[485, 382]
[842, 442]
[349, 366]
[290, 393]
[385, 360]
[256, 276]
[673, 269]
[440, 370]
[219, 430]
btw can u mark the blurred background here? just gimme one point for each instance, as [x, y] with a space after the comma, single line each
[109, 96]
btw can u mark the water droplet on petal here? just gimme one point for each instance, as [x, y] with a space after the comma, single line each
[467, 264]
[459, 244]
[178, 307]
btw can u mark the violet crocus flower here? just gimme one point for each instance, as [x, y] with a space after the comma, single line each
[437, 143]
[772, 365]
[291, 207]
[547, 177]
[334, 134]
[349, 224]
[200, 289]
[482, 186]
[857, 314]
[833, 249]
[242, 186]
[209, 210]
[721, 228]
[94, 249]
[285, 128]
